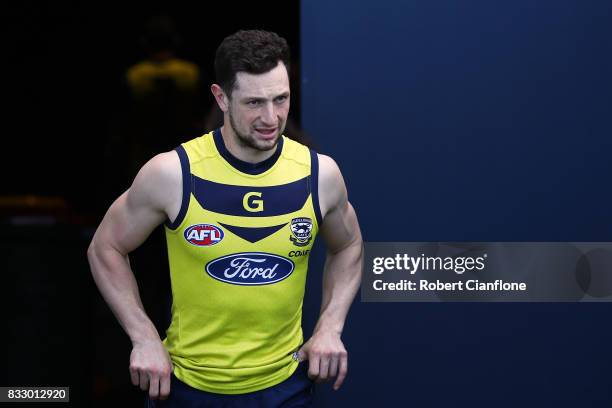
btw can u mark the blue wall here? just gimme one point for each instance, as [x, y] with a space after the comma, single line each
[467, 121]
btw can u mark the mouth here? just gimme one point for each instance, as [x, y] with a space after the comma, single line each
[266, 133]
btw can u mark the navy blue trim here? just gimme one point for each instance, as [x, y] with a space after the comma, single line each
[253, 234]
[246, 167]
[270, 200]
[314, 185]
[186, 171]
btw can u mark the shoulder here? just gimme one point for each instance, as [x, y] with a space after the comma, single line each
[162, 169]
[329, 172]
[158, 182]
[332, 190]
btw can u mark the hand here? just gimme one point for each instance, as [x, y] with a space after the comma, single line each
[151, 367]
[326, 357]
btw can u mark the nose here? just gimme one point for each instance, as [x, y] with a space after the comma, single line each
[268, 114]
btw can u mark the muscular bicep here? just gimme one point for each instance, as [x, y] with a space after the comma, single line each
[128, 223]
[340, 228]
[144, 206]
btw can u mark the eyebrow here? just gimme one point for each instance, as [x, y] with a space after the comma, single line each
[259, 98]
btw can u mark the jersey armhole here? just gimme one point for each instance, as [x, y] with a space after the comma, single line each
[314, 176]
[186, 173]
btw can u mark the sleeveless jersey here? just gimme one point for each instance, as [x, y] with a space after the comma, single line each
[238, 254]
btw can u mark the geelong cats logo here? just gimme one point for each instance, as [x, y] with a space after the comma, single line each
[301, 229]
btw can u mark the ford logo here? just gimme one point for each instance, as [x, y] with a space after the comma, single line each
[250, 268]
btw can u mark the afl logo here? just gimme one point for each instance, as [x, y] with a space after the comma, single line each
[250, 268]
[203, 235]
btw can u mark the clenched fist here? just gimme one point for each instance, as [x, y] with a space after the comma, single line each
[151, 368]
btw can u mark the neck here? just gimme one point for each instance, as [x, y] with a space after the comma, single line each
[242, 152]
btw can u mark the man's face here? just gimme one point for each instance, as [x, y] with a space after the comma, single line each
[258, 107]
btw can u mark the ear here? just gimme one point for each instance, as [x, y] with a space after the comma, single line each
[220, 97]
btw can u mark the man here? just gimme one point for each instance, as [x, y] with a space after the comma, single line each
[242, 206]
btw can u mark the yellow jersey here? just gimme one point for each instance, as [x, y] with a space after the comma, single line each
[238, 254]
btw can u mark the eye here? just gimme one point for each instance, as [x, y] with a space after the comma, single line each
[253, 102]
[281, 99]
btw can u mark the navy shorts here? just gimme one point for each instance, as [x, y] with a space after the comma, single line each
[295, 392]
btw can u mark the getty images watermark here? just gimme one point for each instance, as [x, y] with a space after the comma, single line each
[500, 271]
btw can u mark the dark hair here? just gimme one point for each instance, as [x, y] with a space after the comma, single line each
[252, 51]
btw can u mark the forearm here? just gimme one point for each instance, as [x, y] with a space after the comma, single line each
[115, 280]
[341, 280]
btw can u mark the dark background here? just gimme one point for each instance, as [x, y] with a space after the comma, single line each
[64, 71]
[469, 121]
[65, 106]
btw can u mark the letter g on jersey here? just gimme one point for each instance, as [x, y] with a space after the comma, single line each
[252, 205]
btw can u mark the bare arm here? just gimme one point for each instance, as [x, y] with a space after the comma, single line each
[341, 277]
[154, 195]
[340, 230]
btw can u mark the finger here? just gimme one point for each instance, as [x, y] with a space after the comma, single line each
[144, 380]
[313, 368]
[134, 376]
[164, 387]
[333, 367]
[154, 387]
[342, 372]
[302, 355]
[323, 368]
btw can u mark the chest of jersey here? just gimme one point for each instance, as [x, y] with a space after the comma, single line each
[246, 229]
[249, 234]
